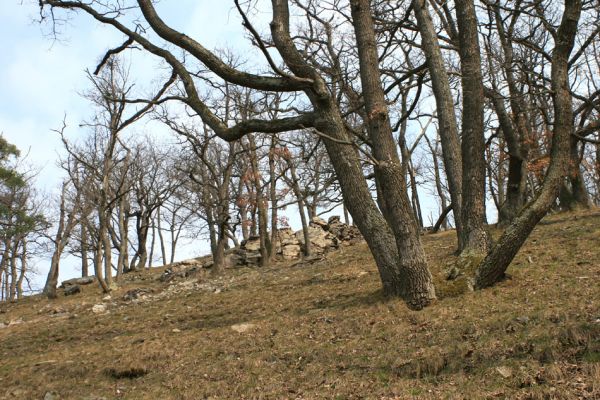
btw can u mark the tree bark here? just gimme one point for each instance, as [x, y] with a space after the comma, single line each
[448, 129]
[494, 265]
[475, 237]
[417, 286]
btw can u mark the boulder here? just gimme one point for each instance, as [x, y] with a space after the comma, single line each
[318, 222]
[291, 251]
[320, 239]
[72, 289]
[86, 280]
[252, 244]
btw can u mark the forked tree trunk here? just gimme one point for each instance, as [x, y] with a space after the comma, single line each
[493, 267]
[417, 287]
[63, 231]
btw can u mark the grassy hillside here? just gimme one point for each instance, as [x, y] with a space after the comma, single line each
[323, 331]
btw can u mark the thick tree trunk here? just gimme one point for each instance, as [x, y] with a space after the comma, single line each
[493, 267]
[475, 237]
[445, 109]
[417, 286]
[63, 231]
[577, 196]
[13, 270]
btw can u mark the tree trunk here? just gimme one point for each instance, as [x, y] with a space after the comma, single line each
[84, 251]
[493, 267]
[448, 129]
[475, 237]
[161, 239]
[416, 287]
[443, 220]
[273, 197]
[300, 202]
[23, 269]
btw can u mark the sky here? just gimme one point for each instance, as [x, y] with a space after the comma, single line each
[42, 78]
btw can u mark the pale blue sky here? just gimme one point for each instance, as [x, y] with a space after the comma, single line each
[40, 78]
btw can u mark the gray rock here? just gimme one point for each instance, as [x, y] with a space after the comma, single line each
[51, 396]
[78, 281]
[135, 294]
[72, 289]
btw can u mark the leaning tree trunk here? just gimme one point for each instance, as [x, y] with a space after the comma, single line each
[493, 267]
[300, 202]
[63, 231]
[448, 130]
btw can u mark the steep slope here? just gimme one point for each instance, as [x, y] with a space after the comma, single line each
[321, 331]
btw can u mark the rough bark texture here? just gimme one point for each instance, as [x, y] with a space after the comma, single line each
[445, 110]
[493, 267]
[474, 235]
[417, 286]
[514, 129]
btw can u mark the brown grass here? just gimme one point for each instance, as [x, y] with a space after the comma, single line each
[325, 332]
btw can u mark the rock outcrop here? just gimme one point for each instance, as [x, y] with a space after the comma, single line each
[324, 236]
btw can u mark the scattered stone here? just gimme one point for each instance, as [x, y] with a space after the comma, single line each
[51, 396]
[243, 328]
[136, 294]
[78, 281]
[107, 298]
[99, 309]
[3, 325]
[176, 330]
[179, 271]
[505, 372]
[522, 320]
[72, 289]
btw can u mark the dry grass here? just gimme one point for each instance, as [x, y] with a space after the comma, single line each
[325, 332]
